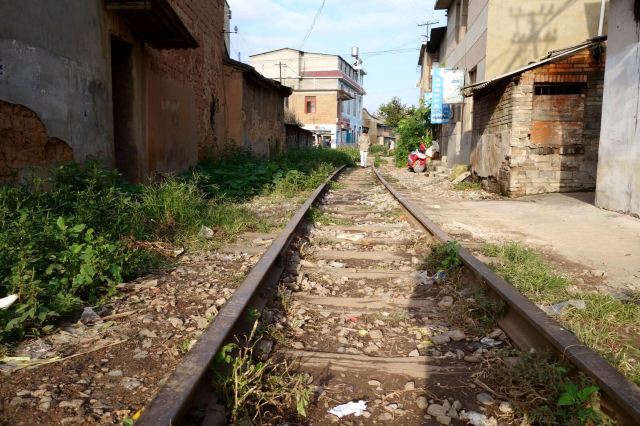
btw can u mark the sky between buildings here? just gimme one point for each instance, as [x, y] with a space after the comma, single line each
[372, 25]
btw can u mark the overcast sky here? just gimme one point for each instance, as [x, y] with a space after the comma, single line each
[372, 25]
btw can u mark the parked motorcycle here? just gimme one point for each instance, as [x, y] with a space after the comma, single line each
[418, 159]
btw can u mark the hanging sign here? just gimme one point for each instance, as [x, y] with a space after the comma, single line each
[453, 82]
[438, 111]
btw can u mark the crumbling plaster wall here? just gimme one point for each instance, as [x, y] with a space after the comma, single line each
[57, 70]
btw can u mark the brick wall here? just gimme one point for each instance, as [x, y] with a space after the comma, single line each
[25, 145]
[530, 144]
[492, 127]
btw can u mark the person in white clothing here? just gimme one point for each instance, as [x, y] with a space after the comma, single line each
[363, 144]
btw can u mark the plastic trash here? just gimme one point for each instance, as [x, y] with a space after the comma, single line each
[489, 342]
[6, 302]
[89, 316]
[355, 408]
[206, 232]
[439, 276]
[576, 303]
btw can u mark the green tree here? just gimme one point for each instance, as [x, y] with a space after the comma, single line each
[413, 129]
[393, 111]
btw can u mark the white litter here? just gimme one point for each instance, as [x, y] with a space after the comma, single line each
[350, 237]
[477, 419]
[355, 408]
[6, 302]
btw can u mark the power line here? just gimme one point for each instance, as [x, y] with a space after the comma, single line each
[313, 24]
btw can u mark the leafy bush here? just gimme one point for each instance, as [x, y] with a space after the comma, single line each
[413, 129]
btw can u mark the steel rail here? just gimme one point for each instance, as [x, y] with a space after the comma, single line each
[174, 398]
[530, 327]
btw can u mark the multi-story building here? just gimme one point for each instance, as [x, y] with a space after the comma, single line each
[327, 91]
[489, 38]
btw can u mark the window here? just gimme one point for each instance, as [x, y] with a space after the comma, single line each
[310, 104]
[559, 89]
[473, 75]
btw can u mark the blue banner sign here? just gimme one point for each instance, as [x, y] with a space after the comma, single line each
[440, 112]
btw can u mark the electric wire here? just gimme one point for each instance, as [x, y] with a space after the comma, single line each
[313, 24]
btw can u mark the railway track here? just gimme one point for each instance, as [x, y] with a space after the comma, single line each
[360, 313]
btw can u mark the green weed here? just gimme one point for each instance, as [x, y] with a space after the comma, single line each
[444, 257]
[543, 391]
[609, 326]
[318, 216]
[377, 149]
[255, 390]
[468, 186]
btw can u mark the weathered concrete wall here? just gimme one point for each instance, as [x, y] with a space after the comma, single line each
[527, 143]
[619, 166]
[53, 63]
[523, 31]
[254, 112]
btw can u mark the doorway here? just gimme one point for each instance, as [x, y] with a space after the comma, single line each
[122, 89]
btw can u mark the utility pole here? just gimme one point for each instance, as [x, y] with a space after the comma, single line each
[428, 24]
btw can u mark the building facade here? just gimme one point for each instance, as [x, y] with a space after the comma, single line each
[137, 88]
[536, 130]
[619, 159]
[327, 91]
[488, 38]
[379, 132]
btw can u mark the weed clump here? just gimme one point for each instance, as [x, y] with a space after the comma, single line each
[544, 391]
[257, 391]
[608, 325]
[444, 257]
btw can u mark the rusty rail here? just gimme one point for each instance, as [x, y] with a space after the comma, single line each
[175, 397]
[529, 327]
[526, 324]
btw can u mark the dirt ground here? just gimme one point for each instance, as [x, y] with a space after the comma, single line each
[598, 248]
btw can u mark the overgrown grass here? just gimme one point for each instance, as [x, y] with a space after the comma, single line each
[468, 186]
[318, 216]
[68, 240]
[608, 325]
[377, 149]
